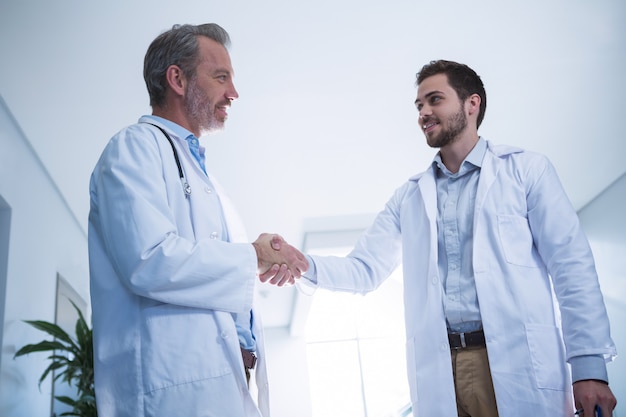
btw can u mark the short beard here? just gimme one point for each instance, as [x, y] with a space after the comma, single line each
[456, 124]
[201, 110]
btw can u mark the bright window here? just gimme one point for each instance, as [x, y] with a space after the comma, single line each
[356, 350]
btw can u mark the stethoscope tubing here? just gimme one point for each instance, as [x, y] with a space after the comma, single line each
[183, 181]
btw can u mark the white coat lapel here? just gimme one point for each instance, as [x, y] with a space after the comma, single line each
[488, 174]
[236, 230]
[428, 189]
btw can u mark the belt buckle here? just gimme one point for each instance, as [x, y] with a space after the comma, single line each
[253, 360]
[249, 358]
[462, 340]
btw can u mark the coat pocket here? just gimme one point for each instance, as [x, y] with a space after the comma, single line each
[181, 345]
[516, 240]
[547, 354]
[213, 397]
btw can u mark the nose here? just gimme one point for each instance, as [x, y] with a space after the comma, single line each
[424, 111]
[231, 92]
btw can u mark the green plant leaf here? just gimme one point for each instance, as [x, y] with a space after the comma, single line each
[85, 406]
[52, 329]
[71, 361]
[82, 330]
[40, 347]
[52, 367]
[66, 400]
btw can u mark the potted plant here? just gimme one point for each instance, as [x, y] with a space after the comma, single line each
[71, 360]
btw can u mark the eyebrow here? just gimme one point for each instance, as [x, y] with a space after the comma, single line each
[222, 70]
[428, 95]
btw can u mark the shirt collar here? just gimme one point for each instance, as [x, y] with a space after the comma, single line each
[473, 160]
[177, 129]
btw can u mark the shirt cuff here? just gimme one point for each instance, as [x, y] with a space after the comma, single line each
[308, 283]
[589, 367]
[311, 273]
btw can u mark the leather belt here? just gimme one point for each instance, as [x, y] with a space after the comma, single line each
[249, 359]
[464, 340]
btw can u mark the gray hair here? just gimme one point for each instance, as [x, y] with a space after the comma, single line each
[177, 46]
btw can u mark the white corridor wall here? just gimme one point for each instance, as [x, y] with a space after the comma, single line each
[44, 239]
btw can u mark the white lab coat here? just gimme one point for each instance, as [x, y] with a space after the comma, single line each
[164, 287]
[525, 230]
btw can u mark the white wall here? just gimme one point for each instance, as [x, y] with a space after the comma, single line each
[44, 239]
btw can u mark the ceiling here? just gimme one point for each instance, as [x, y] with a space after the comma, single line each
[325, 127]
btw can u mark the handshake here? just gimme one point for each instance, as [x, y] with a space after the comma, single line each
[278, 262]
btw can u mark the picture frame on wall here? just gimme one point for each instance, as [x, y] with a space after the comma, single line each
[65, 317]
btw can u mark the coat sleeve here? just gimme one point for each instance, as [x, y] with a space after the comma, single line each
[375, 256]
[564, 248]
[133, 190]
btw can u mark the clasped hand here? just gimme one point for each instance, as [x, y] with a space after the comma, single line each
[278, 262]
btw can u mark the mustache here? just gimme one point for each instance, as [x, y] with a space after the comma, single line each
[224, 103]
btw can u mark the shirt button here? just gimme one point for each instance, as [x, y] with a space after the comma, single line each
[214, 235]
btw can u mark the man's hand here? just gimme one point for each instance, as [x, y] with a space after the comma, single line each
[589, 393]
[278, 262]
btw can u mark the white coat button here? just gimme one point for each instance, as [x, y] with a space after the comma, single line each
[224, 335]
[214, 235]
[208, 190]
[444, 346]
[435, 280]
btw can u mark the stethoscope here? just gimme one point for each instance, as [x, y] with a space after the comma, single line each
[183, 181]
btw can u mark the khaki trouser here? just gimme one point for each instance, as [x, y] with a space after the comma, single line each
[472, 382]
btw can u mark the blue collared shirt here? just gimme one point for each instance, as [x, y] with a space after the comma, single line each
[456, 196]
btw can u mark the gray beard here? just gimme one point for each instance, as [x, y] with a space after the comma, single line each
[201, 111]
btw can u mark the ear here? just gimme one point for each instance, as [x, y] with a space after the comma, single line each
[176, 80]
[473, 104]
